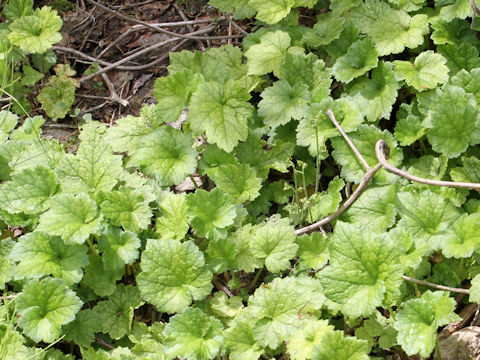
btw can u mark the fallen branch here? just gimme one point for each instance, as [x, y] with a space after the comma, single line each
[159, 29]
[382, 152]
[436, 286]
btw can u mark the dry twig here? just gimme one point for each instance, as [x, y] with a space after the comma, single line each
[436, 286]
[382, 151]
[159, 29]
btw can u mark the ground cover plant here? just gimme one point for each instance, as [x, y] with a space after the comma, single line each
[330, 159]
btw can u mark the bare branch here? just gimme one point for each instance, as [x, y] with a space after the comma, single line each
[347, 139]
[363, 184]
[159, 29]
[382, 152]
[436, 286]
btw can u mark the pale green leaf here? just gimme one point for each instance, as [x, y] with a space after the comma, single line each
[240, 182]
[193, 335]
[30, 76]
[334, 345]
[30, 129]
[240, 8]
[313, 250]
[452, 121]
[73, 217]
[38, 32]
[464, 238]
[166, 154]
[15, 9]
[127, 133]
[328, 28]
[118, 248]
[468, 172]
[173, 93]
[302, 342]
[99, 279]
[82, 330]
[115, 315]
[44, 307]
[364, 272]
[458, 9]
[173, 274]
[7, 264]
[380, 91]
[210, 213]
[172, 217]
[468, 81]
[271, 11]
[474, 294]
[39, 254]
[8, 121]
[267, 56]
[456, 32]
[126, 208]
[240, 341]
[361, 56]
[222, 112]
[281, 102]
[425, 73]
[29, 191]
[464, 56]
[274, 241]
[391, 30]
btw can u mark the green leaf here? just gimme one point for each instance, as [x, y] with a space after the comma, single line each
[425, 215]
[166, 154]
[375, 17]
[73, 217]
[408, 5]
[148, 341]
[468, 81]
[173, 93]
[308, 69]
[458, 9]
[58, 96]
[274, 241]
[238, 181]
[464, 56]
[361, 56]
[364, 139]
[409, 129]
[364, 272]
[240, 8]
[267, 56]
[44, 307]
[376, 207]
[314, 129]
[224, 307]
[302, 342]
[82, 330]
[29, 191]
[30, 129]
[380, 91]
[271, 11]
[127, 133]
[173, 274]
[456, 32]
[418, 320]
[115, 315]
[469, 172]
[425, 73]
[474, 294]
[277, 308]
[15, 9]
[193, 335]
[40, 152]
[282, 102]
[7, 264]
[222, 112]
[464, 238]
[313, 250]
[334, 345]
[240, 341]
[326, 202]
[172, 217]
[100, 279]
[93, 168]
[127, 208]
[8, 121]
[328, 28]
[119, 248]
[30, 76]
[38, 32]
[210, 213]
[349, 35]
[452, 121]
[39, 254]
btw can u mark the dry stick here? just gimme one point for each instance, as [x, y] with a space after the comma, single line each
[476, 11]
[190, 27]
[382, 151]
[128, 58]
[113, 93]
[159, 29]
[436, 286]
[236, 26]
[363, 184]
[347, 139]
